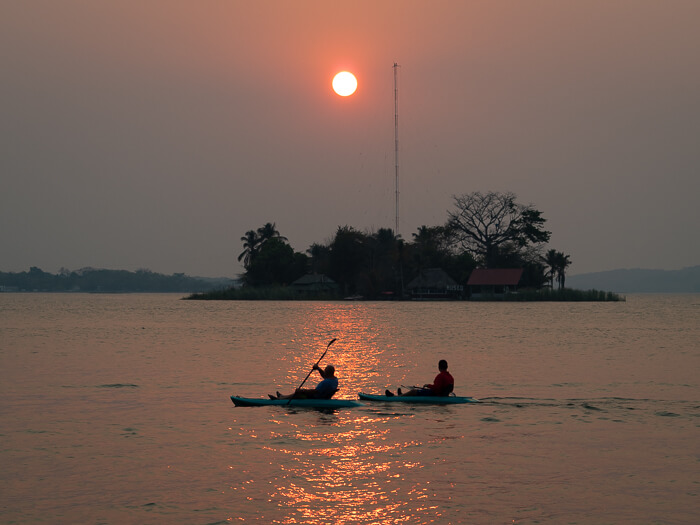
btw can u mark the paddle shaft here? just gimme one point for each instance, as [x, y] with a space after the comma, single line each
[312, 369]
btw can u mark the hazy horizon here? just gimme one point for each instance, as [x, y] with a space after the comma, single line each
[240, 274]
[154, 135]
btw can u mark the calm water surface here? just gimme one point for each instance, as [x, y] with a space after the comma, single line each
[115, 409]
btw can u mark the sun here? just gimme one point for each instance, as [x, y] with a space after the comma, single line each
[344, 83]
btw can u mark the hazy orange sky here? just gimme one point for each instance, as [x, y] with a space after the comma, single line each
[155, 134]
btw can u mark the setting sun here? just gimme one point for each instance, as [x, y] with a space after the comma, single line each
[344, 83]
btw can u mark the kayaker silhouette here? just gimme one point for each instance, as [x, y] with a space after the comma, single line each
[324, 390]
[442, 385]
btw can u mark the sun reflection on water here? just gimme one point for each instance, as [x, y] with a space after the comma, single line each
[344, 473]
[345, 466]
[358, 358]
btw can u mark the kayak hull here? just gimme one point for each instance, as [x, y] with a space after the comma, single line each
[310, 403]
[425, 400]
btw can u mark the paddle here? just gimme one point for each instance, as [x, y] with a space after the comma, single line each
[312, 369]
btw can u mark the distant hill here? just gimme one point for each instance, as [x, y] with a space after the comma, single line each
[107, 281]
[686, 280]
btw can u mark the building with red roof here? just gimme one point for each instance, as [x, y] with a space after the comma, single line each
[497, 281]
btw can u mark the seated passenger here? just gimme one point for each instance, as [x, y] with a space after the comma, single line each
[442, 385]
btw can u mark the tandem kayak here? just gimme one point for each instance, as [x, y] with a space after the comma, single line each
[310, 403]
[432, 400]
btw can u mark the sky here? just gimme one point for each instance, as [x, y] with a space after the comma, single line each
[153, 135]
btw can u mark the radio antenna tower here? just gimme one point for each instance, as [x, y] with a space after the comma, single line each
[396, 144]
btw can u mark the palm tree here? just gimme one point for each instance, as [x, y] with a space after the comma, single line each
[557, 262]
[269, 231]
[563, 263]
[251, 244]
[551, 259]
[253, 240]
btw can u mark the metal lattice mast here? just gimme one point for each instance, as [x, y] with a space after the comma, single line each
[396, 144]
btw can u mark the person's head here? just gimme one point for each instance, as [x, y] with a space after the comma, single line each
[442, 365]
[329, 371]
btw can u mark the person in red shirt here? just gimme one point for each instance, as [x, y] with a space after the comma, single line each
[442, 385]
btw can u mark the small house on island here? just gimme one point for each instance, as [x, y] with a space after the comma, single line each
[434, 284]
[313, 284]
[494, 282]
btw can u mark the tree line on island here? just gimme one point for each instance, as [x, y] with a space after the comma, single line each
[483, 230]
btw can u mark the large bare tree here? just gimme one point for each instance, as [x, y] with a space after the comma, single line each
[493, 226]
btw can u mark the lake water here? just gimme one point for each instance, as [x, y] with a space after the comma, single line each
[116, 409]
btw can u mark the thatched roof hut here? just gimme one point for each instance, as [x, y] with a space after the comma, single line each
[434, 283]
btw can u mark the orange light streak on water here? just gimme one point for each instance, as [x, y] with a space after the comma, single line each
[356, 355]
[338, 476]
[333, 472]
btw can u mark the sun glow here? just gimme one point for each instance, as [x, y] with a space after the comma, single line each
[344, 83]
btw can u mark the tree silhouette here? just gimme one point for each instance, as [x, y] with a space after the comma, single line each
[431, 247]
[269, 231]
[564, 263]
[347, 256]
[557, 262]
[275, 264]
[320, 258]
[551, 259]
[251, 243]
[494, 227]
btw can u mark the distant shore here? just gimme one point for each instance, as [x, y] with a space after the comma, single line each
[90, 280]
[95, 280]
